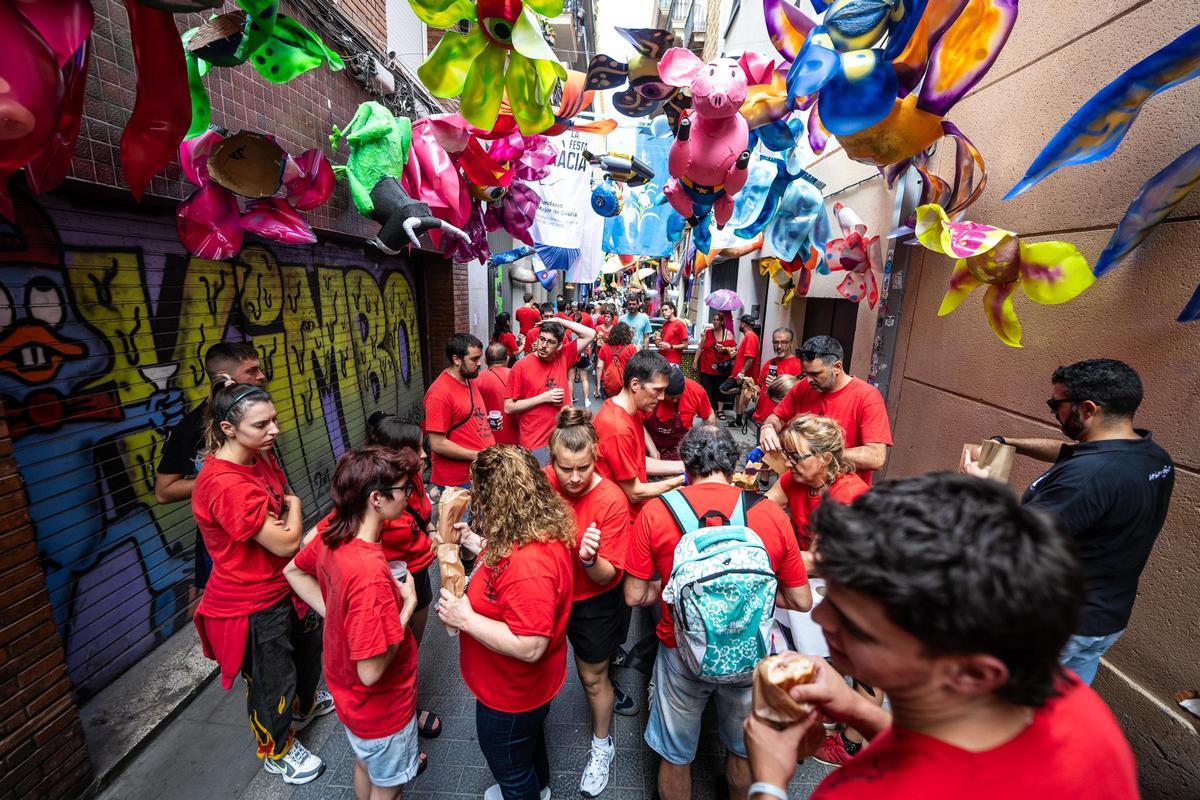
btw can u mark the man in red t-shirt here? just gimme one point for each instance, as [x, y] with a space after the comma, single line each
[944, 593]
[784, 363]
[679, 697]
[745, 364]
[527, 316]
[455, 414]
[672, 340]
[832, 392]
[493, 386]
[538, 386]
[546, 311]
[685, 401]
[621, 454]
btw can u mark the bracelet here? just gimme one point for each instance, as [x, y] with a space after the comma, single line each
[761, 787]
[588, 564]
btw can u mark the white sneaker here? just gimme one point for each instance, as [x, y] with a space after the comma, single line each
[595, 774]
[493, 793]
[322, 705]
[297, 765]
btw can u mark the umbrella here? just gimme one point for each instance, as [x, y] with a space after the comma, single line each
[723, 300]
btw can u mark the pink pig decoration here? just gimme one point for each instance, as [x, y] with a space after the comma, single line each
[852, 253]
[708, 158]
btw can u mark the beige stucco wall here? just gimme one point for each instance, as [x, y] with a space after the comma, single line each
[955, 382]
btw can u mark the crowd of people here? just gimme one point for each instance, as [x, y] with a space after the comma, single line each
[980, 618]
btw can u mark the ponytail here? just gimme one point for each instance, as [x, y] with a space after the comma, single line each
[228, 401]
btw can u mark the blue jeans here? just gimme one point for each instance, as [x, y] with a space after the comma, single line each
[1082, 654]
[514, 746]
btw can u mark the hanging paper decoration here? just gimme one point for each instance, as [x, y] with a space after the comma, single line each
[621, 168]
[858, 71]
[213, 221]
[606, 199]
[647, 92]
[1097, 128]
[1048, 272]
[643, 226]
[277, 46]
[503, 52]
[852, 253]
[709, 157]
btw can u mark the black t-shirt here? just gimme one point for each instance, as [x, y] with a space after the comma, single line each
[184, 443]
[1112, 496]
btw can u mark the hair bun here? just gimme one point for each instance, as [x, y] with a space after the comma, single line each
[571, 417]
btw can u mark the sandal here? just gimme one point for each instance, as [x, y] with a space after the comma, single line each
[721, 415]
[423, 764]
[431, 728]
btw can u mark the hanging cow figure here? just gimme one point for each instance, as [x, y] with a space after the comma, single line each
[708, 159]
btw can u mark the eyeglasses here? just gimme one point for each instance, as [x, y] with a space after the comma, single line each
[796, 458]
[1054, 403]
[404, 488]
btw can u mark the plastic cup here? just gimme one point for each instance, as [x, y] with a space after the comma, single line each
[495, 420]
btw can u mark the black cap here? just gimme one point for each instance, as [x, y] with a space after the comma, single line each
[675, 382]
[749, 320]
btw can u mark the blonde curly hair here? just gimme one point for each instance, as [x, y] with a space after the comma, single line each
[820, 435]
[514, 504]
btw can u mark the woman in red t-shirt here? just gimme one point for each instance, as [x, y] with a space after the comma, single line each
[716, 348]
[599, 620]
[815, 449]
[406, 538]
[619, 347]
[248, 619]
[502, 334]
[370, 660]
[513, 617]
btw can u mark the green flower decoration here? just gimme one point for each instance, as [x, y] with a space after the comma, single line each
[503, 52]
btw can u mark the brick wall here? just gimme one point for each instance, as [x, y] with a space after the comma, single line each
[445, 316]
[41, 739]
[299, 113]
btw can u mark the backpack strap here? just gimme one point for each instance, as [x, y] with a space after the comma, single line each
[681, 510]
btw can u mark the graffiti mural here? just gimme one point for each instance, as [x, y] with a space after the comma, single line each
[104, 321]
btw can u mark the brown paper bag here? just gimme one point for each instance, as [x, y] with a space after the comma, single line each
[776, 460]
[773, 676]
[454, 575]
[452, 506]
[998, 457]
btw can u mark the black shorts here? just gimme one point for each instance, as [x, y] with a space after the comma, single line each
[598, 626]
[585, 361]
[424, 589]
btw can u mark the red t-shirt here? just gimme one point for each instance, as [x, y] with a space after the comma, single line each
[802, 502]
[672, 419]
[493, 386]
[858, 407]
[447, 404]
[362, 620]
[530, 591]
[606, 355]
[655, 535]
[606, 506]
[783, 366]
[708, 355]
[404, 538]
[532, 376]
[230, 503]
[526, 318]
[745, 361]
[1074, 748]
[586, 319]
[510, 343]
[621, 454]
[674, 332]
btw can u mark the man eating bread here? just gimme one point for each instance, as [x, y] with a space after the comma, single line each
[953, 599]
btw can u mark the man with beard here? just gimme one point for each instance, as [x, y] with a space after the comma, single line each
[456, 415]
[1111, 491]
[830, 391]
[784, 363]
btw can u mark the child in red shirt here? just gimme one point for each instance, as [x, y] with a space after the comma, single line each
[247, 620]
[513, 616]
[599, 620]
[370, 661]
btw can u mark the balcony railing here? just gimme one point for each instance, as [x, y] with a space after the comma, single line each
[695, 28]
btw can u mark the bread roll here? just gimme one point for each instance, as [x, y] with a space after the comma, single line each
[773, 677]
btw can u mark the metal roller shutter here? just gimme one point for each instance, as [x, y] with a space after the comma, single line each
[104, 321]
